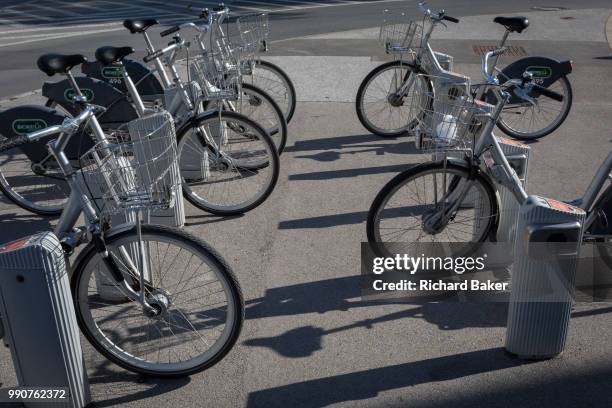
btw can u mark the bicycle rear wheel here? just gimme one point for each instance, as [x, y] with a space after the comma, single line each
[527, 122]
[39, 187]
[402, 211]
[198, 300]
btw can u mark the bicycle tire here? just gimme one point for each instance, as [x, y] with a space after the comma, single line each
[14, 196]
[372, 223]
[205, 252]
[359, 102]
[271, 163]
[288, 107]
[279, 133]
[559, 120]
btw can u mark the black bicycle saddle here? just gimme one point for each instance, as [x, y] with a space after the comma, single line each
[139, 26]
[52, 64]
[515, 24]
[109, 55]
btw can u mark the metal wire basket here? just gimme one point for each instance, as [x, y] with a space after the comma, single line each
[400, 38]
[217, 73]
[136, 174]
[254, 30]
[445, 121]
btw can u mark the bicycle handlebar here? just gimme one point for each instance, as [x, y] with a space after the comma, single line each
[70, 125]
[451, 19]
[169, 31]
[436, 15]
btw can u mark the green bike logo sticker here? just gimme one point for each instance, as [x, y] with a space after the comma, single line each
[540, 72]
[111, 72]
[87, 93]
[25, 126]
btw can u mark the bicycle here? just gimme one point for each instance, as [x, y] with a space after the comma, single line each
[253, 30]
[179, 308]
[453, 198]
[228, 162]
[382, 94]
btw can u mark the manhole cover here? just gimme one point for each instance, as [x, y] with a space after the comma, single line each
[548, 8]
[512, 50]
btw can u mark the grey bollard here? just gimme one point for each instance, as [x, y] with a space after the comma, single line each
[39, 318]
[546, 254]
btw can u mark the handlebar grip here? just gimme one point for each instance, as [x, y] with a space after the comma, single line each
[540, 90]
[13, 142]
[169, 31]
[151, 57]
[451, 19]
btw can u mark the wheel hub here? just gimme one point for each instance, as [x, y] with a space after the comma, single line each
[395, 100]
[160, 303]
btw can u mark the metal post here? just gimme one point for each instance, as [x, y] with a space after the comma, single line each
[39, 318]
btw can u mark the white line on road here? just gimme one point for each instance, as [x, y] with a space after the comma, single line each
[62, 35]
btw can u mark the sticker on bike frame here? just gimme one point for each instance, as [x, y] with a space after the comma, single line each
[111, 72]
[561, 206]
[540, 72]
[487, 157]
[87, 93]
[25, 126]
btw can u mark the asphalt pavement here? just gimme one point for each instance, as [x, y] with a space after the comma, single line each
[309, 339]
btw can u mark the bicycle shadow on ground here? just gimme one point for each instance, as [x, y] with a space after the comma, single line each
[112, 386]
[349, 173]
[16, 226]
[344, 294]
[204, 218]
[333, 148]
[569, 390]
[325, 221]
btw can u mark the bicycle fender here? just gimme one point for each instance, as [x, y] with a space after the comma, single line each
[545, 71]
[25, 119]
[119, 109]
[114, 230]
[147, 84]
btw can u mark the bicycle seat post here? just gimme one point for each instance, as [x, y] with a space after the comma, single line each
[132, 90]
[159, 66]
[73, 83]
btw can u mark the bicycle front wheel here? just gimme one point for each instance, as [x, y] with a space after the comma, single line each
[380, 108]
[198, 301]
[260, 107]
[228, 163]
[528, 122]
[409, 208]
[276, 83]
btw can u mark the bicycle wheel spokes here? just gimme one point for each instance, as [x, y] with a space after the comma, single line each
[194, 310]
[527, 120]
[237, 166]
[43, 191]
[408, 213]
[379, 108]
